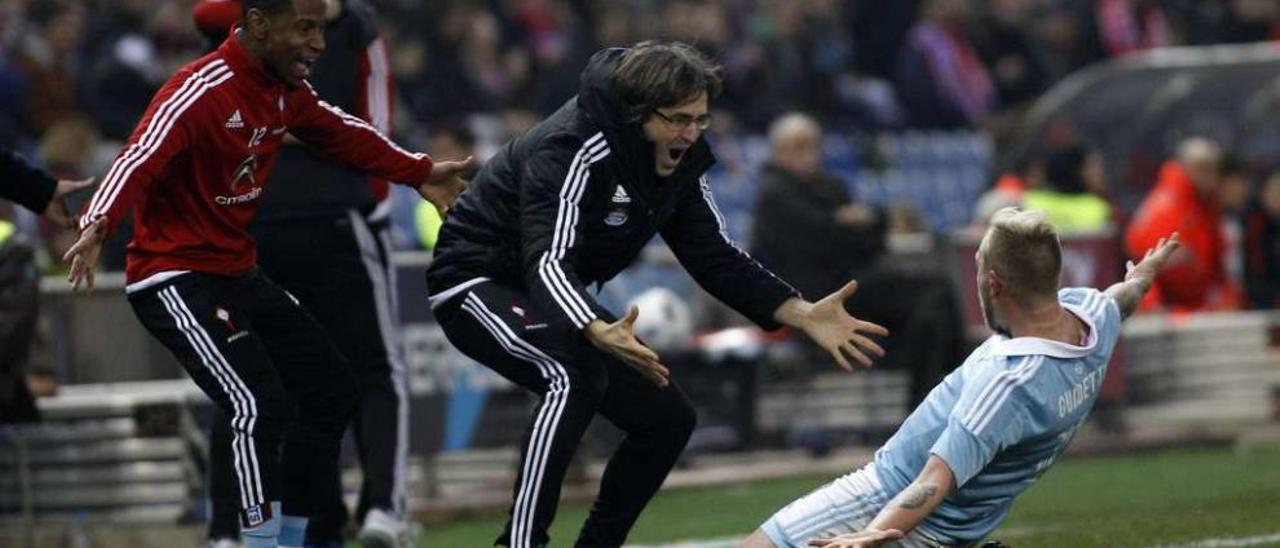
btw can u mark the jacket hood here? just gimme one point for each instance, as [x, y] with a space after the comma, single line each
[597, 96]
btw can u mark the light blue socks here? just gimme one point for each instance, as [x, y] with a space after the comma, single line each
[293, 532]
[264, 534]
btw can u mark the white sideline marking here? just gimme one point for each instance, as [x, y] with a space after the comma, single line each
[1229, 542]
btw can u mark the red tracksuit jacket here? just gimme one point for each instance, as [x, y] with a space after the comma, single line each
[194, 167]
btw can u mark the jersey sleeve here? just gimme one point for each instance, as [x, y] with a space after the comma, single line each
[1101, 309]
[698, 237]
[552, 187]
[168, 127]
[989, 417]
[24, 184]
[352, 141]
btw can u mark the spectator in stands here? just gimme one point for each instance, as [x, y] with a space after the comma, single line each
[939, 75]
[133, 65]
[1262, 246]
[1007, 190]
[810, 230]
[1234, 21]
[878, 29]
[48, 56]
[1185, 200]
[1111, 28]
[1072, 195]
[1004, 41]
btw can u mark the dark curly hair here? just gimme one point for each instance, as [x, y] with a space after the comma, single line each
[655, 74]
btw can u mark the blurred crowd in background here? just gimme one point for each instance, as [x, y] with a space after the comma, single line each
[75, 76]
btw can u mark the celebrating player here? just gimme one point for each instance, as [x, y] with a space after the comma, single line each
[995, 424]
[193, 171]
[345, 282]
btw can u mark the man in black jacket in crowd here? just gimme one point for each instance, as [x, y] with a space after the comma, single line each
[813, 232]
[570, 203]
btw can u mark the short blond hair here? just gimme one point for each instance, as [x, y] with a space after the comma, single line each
[1023, 248]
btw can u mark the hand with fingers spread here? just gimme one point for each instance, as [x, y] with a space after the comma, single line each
[619, 339]
[829, 325]
[1153, 260]
[444, 185]
[869, 538]
[57, 210]
[1138, 278]
[83, 256]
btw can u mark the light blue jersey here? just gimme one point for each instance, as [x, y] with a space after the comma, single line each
[1001, 419]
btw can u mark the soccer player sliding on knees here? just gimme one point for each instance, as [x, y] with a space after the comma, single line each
[950, 473]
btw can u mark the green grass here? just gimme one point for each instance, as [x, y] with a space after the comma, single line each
[1137, 500]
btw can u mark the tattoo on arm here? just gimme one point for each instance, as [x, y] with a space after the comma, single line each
[1127, 295]
[916, 496]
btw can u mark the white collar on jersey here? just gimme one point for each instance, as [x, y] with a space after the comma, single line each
[1028, 346]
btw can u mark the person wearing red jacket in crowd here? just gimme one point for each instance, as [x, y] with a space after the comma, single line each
[193, 171]
[1185, 200]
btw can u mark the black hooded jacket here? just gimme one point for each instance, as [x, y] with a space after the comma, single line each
[573, 202]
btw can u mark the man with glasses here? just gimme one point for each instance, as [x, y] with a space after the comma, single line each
[572, 202]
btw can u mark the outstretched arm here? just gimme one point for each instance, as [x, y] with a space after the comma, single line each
[828, 324]
[1139, 277]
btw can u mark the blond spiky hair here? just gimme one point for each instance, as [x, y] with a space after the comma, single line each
[1023, 248]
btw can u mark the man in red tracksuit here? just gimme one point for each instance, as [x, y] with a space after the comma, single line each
[193, 171]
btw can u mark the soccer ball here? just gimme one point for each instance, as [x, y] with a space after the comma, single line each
[665, 320]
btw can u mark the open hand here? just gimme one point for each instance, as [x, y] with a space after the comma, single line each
[619, 339]
[83, 255]
[862, 539]
[57, 210]
[840, 334]
[1154, 259]
[444, 184]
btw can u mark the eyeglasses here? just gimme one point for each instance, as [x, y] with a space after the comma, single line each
[680, 120]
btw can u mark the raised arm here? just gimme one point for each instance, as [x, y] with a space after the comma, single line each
[169, 126]
[1139, 277]
[356, 143]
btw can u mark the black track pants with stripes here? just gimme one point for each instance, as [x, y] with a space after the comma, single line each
[268, 366]
[339, 268]
[501, 328]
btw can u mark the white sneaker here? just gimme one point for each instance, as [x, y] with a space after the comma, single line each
[223, 543]
[382, 529]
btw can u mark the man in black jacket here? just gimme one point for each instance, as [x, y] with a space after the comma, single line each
[19, 283]
[570, 203]
[36, 190]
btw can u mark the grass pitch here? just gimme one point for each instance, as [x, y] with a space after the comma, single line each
[1170, 497]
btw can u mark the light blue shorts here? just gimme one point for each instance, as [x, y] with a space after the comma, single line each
[846, 505]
